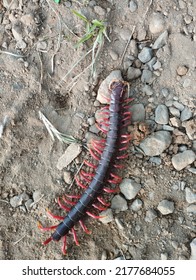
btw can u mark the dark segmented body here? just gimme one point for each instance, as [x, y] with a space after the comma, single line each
[107, 157]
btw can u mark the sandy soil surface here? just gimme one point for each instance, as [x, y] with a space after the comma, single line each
[37, 49]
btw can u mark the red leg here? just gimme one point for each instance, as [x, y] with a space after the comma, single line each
[73, 196]
[96, 149]
[93, 216]
[94, 155]
[64, 246]
[75, 236]
[47, 241]
[100, 208]
[64, 207]
[84, 227]
[119, 166]
[68, 201]
[80, 184]
[46, 228]
[85, 178]
[90, 164]
[111, 190]
[101, 129]
[102, 201]
[87, 174]
[60, 218]
[123, 156]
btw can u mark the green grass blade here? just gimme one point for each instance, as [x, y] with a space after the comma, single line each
[80, 16]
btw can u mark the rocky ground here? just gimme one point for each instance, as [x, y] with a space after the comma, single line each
[153, 47]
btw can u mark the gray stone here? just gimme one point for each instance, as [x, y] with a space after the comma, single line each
[147, 76]
[36, 196]
[157, 65]
[174, 111]
[99, 10]
[192, 170]
[157, 23]
[107, 216]
[190, 127]
[104, 86]
[29, 204]
[147, 90]
[151, 63]
[178, 105]
[161, 114]
[156, 160]
[166, 207]
[168, 127]
[156, 143]
[161, 41]
[181, 160]
[67, 177]
[145, 55]
[133, 6]
[133, 48]
[91, 120]
[119, 203]
[133, 73]
[17, 32]
[138, 112]
[69, 155]
[19, 199]
[190, 195]
[129, 188]
[150, 215]
[186, 114]
[113, 55]
[193, 249]
[165, 92]
[16, 201]
[136, 205]
[191, 209]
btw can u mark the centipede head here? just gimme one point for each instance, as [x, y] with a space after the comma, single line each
[119, 87]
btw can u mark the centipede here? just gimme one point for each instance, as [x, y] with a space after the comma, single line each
[107, 153]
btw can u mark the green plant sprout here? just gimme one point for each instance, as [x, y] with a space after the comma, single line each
[96, 31]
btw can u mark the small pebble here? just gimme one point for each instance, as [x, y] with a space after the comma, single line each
[147, 76]
[145, 55]
[190, 195]
[107, 216]
[133, 48]
[147, 90]
[178, 105]
[182, 70]
[186, 114]
[186, 83]
[165, 92]
[157, 23]
[181, 160]
[36, 196]
[161, 114]
[113, 55]
[28, 204]
[138, 112]
[161, 41]
[91, 121]
[69, 155]
[166, 207]
[156, 143]
[156, 160]
[133, 6]
[129, 188]
[99, 10]
[67, 177]
[157, 65]
[119, 203]
[150, 215]
[174, 111]
[133, 73]
[136, 205]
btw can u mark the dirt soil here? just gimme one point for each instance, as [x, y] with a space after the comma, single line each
[37, 49]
